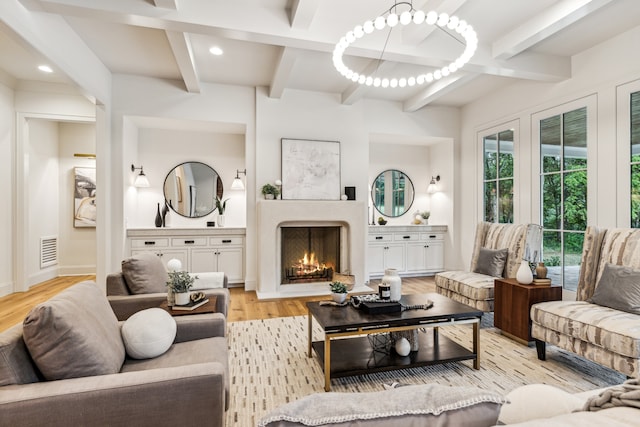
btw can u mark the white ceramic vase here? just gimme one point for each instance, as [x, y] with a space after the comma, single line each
[402, 347]
[339, 298]
[394, 281]
[524, 274]
[220, 220]
[181, 298]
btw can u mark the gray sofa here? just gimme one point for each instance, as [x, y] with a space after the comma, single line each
[142, 284]
[474, 287]
[592, 326]
[66, 366]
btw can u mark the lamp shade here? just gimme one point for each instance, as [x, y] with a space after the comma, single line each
[237, 184]
[141, 181]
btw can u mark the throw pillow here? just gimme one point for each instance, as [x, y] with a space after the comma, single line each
[148, 333]
[619, 288]
[491, 261]
[145, 274]
[537, 401]
[74, 334]
[427, 404]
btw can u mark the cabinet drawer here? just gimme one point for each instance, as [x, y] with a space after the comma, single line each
[149, 243]
[231, 240]
[431, 236]
[406, 237]
[189, 241]
[380, 237]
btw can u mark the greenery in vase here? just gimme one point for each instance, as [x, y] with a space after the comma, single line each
[338, 288]
[424, 214]
[270, 189]
[221, 205]
[180, 281]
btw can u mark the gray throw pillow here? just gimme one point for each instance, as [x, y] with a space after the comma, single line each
[74, 334]
[145, 274]
[426, 404]
[619, 288]
[491, 261]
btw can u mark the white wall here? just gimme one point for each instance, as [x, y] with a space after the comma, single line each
[598, 71]
[7, 121]
[77, 246]
[43, 194]
[159, 151]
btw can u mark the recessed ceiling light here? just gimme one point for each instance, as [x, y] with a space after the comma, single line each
[45, 69]
[215, 50]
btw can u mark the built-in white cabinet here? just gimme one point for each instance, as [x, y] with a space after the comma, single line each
[200, 250]
[412, 250]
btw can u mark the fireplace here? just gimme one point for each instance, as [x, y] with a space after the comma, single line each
[309, 254]
[350, 217]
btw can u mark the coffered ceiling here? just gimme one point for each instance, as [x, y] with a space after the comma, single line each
[288, 44]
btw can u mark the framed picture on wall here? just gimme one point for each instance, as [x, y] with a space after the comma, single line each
[84, 197]
[310, 169]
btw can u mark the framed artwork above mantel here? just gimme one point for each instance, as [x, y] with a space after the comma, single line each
[310, 169]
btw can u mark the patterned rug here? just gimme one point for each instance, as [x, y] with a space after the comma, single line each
[269, 366]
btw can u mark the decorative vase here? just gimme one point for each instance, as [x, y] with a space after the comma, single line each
[339, 298]
[181, 298]
[402, 346]
[269, 196]
[541, 271]
[394, 281]
[165, 211]
[220, 220]
[524, 274]
[158, 217]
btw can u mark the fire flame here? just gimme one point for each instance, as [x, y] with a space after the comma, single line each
[308, 264]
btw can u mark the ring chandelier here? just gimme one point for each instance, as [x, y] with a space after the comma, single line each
[416, 17]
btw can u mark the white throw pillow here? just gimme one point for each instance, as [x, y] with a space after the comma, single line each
[538, 401]
[148, 333]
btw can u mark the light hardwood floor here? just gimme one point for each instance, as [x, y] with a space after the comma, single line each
[245, 305]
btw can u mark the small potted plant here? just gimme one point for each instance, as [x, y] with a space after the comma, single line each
[179, 283]
[221, 206]
[270, 191]
[338, 292]
[381, 221]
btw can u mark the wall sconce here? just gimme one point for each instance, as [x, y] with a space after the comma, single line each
[237, 182]
[141, 179]
[433, 187]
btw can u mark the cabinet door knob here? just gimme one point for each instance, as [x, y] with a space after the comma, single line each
[226, 241]
[149, 242]
[432, 236]
[406, 237]
[378, 237]
[189, 242]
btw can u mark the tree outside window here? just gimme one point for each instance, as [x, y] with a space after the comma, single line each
[563, 140]
[635, 159]
[498, 177]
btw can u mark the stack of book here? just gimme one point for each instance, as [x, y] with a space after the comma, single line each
[537, 281]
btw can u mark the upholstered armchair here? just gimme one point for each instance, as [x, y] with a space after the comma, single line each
[142, 283]
[71, 364]
[498, 251]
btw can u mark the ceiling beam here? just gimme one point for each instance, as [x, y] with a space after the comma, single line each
[286, 61]
[554, 19]
[183, 53]
[436, 90]
[167, 4]
[418, 33]
[302, 12]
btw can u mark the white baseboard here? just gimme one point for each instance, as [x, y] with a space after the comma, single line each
[76, 270]
[6, 289]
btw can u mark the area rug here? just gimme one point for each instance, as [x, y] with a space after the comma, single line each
[269, 366]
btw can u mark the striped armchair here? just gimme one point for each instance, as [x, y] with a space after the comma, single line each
[601, 334]
[476, 289]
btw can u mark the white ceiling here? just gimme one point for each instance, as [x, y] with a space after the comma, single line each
[287, 44]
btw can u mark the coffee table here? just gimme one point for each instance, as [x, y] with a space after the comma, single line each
[353, 353]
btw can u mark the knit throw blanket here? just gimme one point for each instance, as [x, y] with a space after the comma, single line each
[626, 394]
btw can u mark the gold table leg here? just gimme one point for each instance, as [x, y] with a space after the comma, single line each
[327, 363]
[476, 345]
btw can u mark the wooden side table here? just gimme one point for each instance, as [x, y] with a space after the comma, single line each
[512, 306]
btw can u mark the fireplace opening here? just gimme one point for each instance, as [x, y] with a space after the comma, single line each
[309, 254]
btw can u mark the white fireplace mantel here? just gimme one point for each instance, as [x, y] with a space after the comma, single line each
[272, 214]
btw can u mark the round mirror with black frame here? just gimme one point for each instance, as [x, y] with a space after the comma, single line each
[190, 189]
[392, 193]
